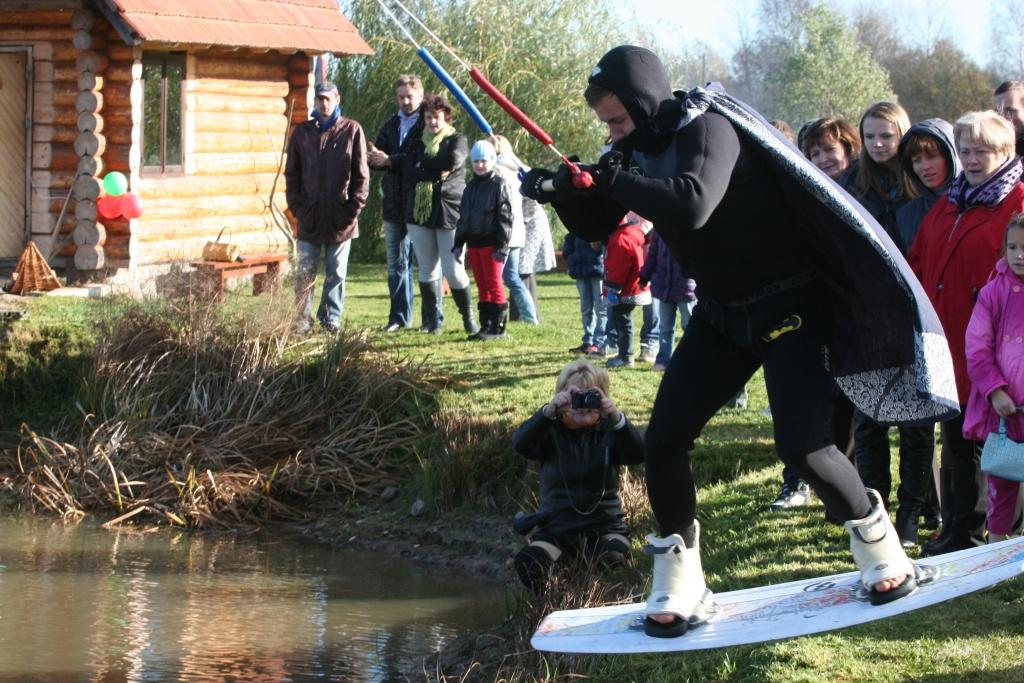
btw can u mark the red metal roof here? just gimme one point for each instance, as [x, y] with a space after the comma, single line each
[310, 25]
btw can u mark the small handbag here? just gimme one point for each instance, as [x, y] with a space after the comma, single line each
[1002, 456]
[220, 251]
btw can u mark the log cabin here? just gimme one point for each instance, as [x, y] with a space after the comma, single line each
[191, 100]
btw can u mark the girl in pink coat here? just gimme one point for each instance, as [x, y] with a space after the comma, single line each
[995, 364]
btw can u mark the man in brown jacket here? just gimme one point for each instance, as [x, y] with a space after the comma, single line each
[328, 181]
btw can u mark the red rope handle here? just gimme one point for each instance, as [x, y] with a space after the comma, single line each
[515, 112]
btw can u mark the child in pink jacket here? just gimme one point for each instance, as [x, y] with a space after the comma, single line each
[995, 364]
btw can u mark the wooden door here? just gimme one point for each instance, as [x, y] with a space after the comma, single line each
[13, 195]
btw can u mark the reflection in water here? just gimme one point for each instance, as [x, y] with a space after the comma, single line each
[84, 604]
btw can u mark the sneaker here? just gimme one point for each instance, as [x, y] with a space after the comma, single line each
[330, 328]
[393, 327]
[647, 354]
[792, 496]
[582, 348]
[603, 351]
[658, 367]
[620, 362]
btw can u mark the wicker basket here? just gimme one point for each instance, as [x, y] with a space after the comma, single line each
[33, 273]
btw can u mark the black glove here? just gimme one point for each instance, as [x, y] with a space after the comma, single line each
[563, 180]
[531, 185]
[608, 166]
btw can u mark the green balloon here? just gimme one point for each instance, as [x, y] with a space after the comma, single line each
[115, 184]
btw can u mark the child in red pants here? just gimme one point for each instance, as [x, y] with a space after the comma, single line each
[484, 228]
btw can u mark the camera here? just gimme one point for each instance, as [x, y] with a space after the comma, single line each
[587, 400]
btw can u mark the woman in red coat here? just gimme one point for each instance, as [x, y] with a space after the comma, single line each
[953, 255]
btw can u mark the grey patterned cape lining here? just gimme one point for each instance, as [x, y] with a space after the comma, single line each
[888, 353]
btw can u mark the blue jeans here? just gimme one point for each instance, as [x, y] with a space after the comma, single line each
[400, 287]
[649, 331]
[517, 288]
[667, 327]
[332, 300]
[611, 332]
[620, 316]
[592, 310]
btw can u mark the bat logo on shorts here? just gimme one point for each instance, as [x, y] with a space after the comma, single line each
[790, 324]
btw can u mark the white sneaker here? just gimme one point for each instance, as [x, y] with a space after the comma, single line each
[792, 496]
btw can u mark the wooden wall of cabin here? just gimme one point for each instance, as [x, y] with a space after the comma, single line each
[86, 116]
[46, 28]
[235, 120]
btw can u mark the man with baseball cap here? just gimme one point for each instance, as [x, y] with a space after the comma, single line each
[328, 181]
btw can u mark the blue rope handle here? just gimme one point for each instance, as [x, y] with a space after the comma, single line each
[461, 96]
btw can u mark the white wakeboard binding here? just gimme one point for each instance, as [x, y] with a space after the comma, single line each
[879, 556]
[678, 586]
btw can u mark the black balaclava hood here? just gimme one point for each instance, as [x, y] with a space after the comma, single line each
[638, 78]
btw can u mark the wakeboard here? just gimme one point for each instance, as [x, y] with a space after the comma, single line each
[786, 610]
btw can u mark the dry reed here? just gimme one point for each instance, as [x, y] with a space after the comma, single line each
[196, 423]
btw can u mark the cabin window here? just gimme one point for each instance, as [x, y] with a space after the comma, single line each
[163, 79]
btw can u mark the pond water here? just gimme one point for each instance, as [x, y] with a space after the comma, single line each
[81, 603]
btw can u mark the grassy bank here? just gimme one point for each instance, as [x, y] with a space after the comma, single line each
[480, 392]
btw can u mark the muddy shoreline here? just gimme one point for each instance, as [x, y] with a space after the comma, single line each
[474, 543]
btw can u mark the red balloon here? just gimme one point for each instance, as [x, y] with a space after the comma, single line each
[109, 206]
[131, 205]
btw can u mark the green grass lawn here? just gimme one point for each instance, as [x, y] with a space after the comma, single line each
[493, 387]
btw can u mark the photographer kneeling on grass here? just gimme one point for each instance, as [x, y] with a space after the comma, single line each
[581, 439]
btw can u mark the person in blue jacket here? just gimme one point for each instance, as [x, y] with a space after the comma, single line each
[586, 267]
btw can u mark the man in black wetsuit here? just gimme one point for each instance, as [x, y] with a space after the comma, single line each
[714, 197]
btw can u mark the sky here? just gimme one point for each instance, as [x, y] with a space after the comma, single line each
[721, 23]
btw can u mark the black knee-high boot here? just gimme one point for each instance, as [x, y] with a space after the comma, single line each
[464, 301]
[495, 329]
[430, 301]
[966, 525]
[484, 308]
[917, 450]
[931, 513]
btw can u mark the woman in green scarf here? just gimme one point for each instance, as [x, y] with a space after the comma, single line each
[438, 167]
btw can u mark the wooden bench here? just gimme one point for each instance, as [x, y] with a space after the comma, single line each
[264, 268]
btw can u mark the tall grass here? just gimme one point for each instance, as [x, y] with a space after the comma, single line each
[196, 420]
